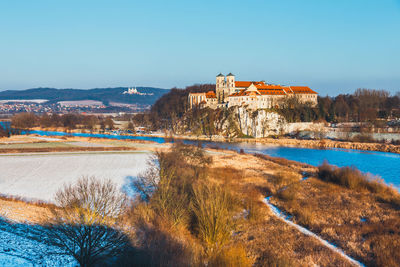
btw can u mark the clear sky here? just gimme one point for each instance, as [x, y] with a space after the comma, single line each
[332, 46]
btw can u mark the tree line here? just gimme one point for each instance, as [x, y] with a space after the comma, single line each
[169, 109]
[69, 121]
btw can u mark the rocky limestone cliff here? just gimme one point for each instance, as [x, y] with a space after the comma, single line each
[262, 123]
[239, 121]
[259, 123]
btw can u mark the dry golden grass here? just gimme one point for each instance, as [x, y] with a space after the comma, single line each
[20, 211]
[358, 221]
[233, 256]
[268, 240]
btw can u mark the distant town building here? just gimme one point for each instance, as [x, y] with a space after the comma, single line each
[134, 91]
[252, 94]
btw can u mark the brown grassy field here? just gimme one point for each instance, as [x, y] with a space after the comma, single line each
[30, 144]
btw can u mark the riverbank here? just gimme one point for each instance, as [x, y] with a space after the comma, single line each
[318, 144]
[39, 144]
[279, 141]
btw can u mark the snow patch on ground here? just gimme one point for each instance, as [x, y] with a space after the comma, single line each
[87, 144]
[80, 103]
[50, 139]
[40, 176]
[38, 101]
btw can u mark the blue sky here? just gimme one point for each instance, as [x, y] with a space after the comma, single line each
[332, 46]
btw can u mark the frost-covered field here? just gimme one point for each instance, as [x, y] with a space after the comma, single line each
[24, 245]
[39, 176]
[81, 103]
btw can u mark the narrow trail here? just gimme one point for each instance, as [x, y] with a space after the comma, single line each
[282, 216]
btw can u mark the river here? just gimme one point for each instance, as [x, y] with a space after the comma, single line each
[383, 164]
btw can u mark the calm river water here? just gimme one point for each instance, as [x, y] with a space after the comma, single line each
[385, 165]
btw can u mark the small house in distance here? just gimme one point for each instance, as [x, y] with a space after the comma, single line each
[252, 94]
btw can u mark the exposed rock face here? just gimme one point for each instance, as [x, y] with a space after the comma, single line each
[238, 121]
[262, 123]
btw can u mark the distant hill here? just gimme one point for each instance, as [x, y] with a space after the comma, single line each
[105, 95]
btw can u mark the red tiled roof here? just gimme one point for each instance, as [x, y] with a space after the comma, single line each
[269, 86]
[211, 94]
[302, 90]
[271, 89]
[262, 92]
[244, 93]
[247, 84]
[272, 92]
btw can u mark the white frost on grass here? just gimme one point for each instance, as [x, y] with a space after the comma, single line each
[23, 245]
[50, 139]
[80, 103]
[281, 215]
[40, 176]
[38, 101]
[17, 250]
[87, 144]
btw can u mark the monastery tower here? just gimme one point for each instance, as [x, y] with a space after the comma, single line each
[230, 83]
[224, 87]
[220, 88]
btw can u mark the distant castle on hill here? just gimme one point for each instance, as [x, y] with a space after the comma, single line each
[133, 91]
[253, 94]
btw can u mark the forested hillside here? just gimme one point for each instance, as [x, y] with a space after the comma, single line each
[104, 95]
[173, 105]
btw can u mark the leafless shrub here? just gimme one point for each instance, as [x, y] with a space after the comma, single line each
[85, 223]
[158, 187]
[211, 209]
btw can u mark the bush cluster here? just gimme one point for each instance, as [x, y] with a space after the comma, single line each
[70, 121]
[352, 178]
[196, 214]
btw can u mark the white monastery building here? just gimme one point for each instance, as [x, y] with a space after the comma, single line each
[254, 95]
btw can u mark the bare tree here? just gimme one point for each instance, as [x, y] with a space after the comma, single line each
[85, 222]
[24, 120]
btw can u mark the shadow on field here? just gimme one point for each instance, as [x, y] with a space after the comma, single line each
[29, 244]
[127, 187]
